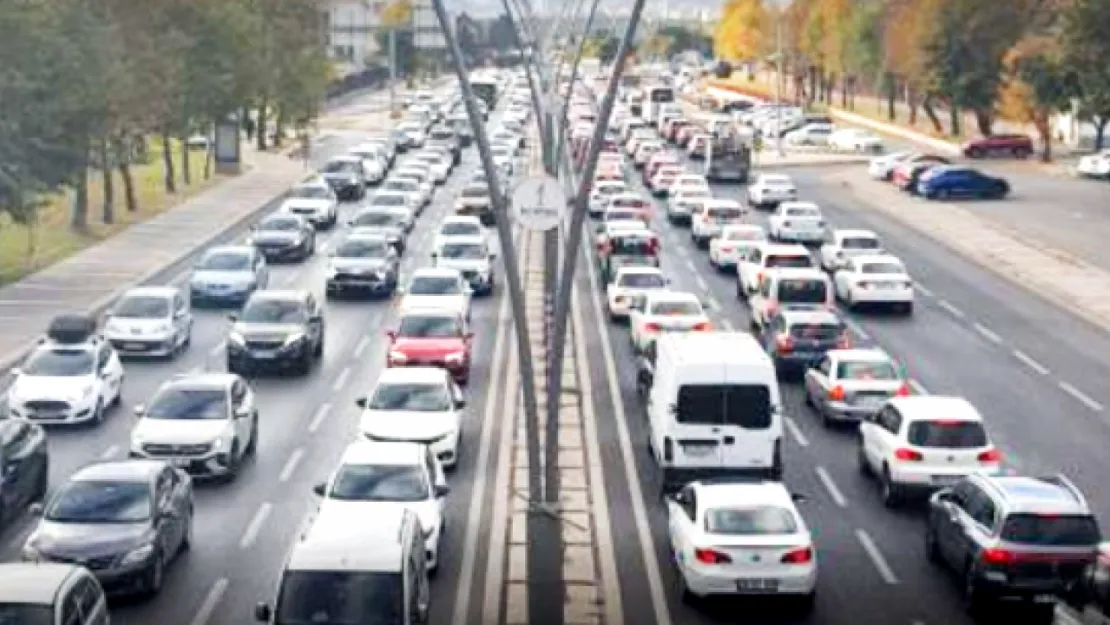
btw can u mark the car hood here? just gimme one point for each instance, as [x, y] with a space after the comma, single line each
[426, 347]
[138, 327]
[392, 232]
[266, 331]
[179, 431]
[275, 236]
[306, 203]
[222, 277]
[480, 265]
[68, 388]
[81, 541]
[358, 264]
[408, 426]
[452, 302]
[427, 511]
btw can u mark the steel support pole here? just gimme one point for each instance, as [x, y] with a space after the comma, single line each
[392, 71]
[578, 216]
[561, 139]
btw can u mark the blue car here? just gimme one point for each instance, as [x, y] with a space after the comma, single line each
[945, 182]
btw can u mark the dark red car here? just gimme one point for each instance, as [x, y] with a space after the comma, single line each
[432, 338]
[1018, 146]
[675, 129]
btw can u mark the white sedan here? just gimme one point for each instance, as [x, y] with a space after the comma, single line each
[855, 140]
[602, 191]
[874, 280]
[810, 134]
[734, 241]
[684, 203]
[629, 283]
[769, 190]
[435, 287]
[849, 384]
[742, 539]
[882, 167]
[842, 244]
[687, 183]
[797, 222]
[664, 311]
[1095, 165]
[415, 404]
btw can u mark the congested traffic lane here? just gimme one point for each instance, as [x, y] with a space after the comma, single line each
[244, 529]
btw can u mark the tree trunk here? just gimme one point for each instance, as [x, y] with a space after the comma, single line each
[891, 94]
[844, 81]
[954, 113]
[208, 154]
[79, 213]
[911, 102]
[168, 174]
[123, 158]
[931, 113]
[108, 207]
[279, 127]
[1100, 128]
[812, 95]
[984, 120]
[186, 166]
[260, 125]
[1044, 130]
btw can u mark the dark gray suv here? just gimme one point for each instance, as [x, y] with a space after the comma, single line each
[277, 330]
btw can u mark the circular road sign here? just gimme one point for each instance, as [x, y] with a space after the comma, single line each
[539, 202]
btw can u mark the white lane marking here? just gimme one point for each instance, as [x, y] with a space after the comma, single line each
[1028, 361]
[987, 333]
[702, 284]
[318, 418]
[796, 432]
[289, 278]
[727, 325]
[876, 557]
[1064, 616]
[830, 485]
[291, 465]
[341, 380]
[362, 343]
[218, 348]
[690, 264]
[856, 329]
[1079, 395]
[922, 289]
[110, 453]
[952, 310]
[211, 600]
[713, 303]
[255, 526]
[918, 387]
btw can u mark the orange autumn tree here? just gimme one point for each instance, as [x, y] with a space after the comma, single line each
[908, 25]
[1034, 85]
[738, 36]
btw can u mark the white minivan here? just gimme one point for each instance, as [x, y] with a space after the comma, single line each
[714, 408]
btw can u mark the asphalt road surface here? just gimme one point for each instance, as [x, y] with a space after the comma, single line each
[1031, 368]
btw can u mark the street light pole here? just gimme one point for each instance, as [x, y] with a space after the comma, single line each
[392, 70]
[778, 81]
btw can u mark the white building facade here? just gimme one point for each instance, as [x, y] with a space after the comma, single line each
[353, 26]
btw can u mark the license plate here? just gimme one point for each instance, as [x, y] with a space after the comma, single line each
[757, 585]
[870, 402]
[699, 451]
[264, 355]
[946, 480]
[180, 463]
[52, 415]
[134, 346]
[885, 285]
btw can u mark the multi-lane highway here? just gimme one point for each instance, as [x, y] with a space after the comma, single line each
[1032, 369]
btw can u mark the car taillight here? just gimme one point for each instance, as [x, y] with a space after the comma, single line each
[759, 278]
[702, 327]
[726, 248]
[711, 556]
[903, 391]
[785, 343]
[836, 393]
[651, 327]
[798, 556]
[990, 455]
[907, 455]
[771, 310]
[997, 556]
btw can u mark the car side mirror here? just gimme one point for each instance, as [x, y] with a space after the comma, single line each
[442, 490]
[460, 403]
[233, 316]
[361, 402]
[36, 509]
[798, 498]
[492, 255]
[262, 613]
[140, 410]
[434, 255]
[320, 489]
[943, 496]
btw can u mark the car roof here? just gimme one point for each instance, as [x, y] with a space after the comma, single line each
[673, 296]
[860, 354]
[338, 540]
[124, 470]
[877, 258]
[465, 239]
[742, 228]
[799, 204]
[639, 269]
[229, 249]
[460, 219]
[797, 273]
[384, 452]
[406, 375]
[743, 494]
[152, 291]
[799, 316]
[793, 249]
[363, 235]
[206, 379]
[934, 407]
[1038, 495]
[435, 272]
[279, 294]
[855, 233]
[35, 583]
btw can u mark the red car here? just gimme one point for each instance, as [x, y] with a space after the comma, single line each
[432, 338]
[685, 134]
[1018, 146]
[675, 129]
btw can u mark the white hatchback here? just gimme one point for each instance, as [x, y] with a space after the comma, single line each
[437, 287]
[797, 222]
[734, 242]
[415, 404]
[878, 280]
[656, 312]
[628, 283]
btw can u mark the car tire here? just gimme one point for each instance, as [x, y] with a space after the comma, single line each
[42, 483]
[187, 538]
[155, 576]
[252, 447]
[932, 550]
[98, 414]
[318, 351]
[891, 493]
[973, 598]
[234, 459]
[688, 597]
[304, 366]
[861, 461]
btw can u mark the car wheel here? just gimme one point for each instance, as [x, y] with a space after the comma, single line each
[932, 550]
[252, 446]
[42, 483]
[304, 367]
[688, 597]
[98, 414]
[972, 594]
[154, 576]
[234, 459]
[861, 461]
[318, 351]
[187, 538]
[891, 494]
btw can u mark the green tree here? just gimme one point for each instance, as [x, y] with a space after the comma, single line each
[1086, 48]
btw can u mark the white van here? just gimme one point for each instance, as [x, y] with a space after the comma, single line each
[380, 560]
[46, 592]
[714, 408]
[790, 288]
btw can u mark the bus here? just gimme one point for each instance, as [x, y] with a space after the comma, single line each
[485, 87]
[656, 96]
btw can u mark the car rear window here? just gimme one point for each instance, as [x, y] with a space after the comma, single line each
[745, 405]
[816, 330]
[1052, 530]
[790, 261]
[947, 434]
[803, 291]
[802, 212]
[864, 370]
[882, 268]
[860, 243]
[760, 521]
[725, 213]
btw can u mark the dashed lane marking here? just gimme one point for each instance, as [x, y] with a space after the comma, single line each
[877, 557]
[1080, 396]
[341, 380]
[254, 528]
[211, 600]
[362, 343]
[987, 333]
[690, 264]
[110, 453]
[830, 485]
[922, 289]
[702, 284]
[796, 432]
[318, 418]
[952, 310]
[291, 465]
[727, 325]
[918, 387]
[856, 329]
[1028, 361]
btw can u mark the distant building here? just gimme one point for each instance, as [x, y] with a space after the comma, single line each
[353, 26]
[427, 35]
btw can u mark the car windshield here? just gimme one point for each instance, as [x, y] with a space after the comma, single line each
[26, 614]
[401, 185]
[675, 309]
[454, 229]
[476, 192]
[724, 212]
[59, 363]
[310, 193]
[802, 212]
[756, 521]
[388, 200]
[142, 307]
[435, 285]
[642, 281]
[463, 251]
[411, 397]
[882, 268]
[610, 189]
[803, 291]
[819, 331]
[189, 404]
[374, 219]
[380, 482]
[100, 502]
[357, 248]
[860, 243]
[866, 370]
[280, 224]
[430, 326]
[340, 598]
[623, 215]
[341, 167]
[947, 434]
[268, 310]
[1052, 530]
[225, 261]
[789, 261]
[623, 202]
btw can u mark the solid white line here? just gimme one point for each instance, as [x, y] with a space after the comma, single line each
[922, 289]
[830, 485]
[255, 526]
[211, 600]
[362, 343]
[796, 432]
[1029, 362]
[289, 278]
[110, 453]
[1065, 616]
[727, 325]
[318, 418]
[955, 312]
[1081, 396]
[218, 348]
[876, 557]
[690, 264]
[918, 387]
[291, 465]
[987, 333]
[702, 284]
[856, 329]
[341, 380]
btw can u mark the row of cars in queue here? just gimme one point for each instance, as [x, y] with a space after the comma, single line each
[116, 526]
[715, 411]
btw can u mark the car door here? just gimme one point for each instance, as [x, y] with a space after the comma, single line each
[261, 271]
[954, 522]
[843, 278]
[761, 300]
[315, 320]
[182, 316]
[110, 370]
[818, 380]
[169, 525]
[748, 268]
[883, 437]
[90, 601]
[242, 410]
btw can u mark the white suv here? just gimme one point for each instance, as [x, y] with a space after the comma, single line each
[770, 189]
[416, 404]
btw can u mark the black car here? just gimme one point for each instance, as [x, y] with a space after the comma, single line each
[277, 330]
[444, 136]
[124, 521]
[284, 236]
[24, 467]
[346, 177]
[363, 263]
[461, 125]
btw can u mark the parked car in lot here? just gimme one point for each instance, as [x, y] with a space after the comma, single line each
[1018, 146]
[954, 181]
[1094, 165]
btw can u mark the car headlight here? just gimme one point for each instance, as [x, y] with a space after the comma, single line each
[235, 337]
[456, 357]
[163, 328]
[219, 444]
[137, 555]
[293, 338]
[398, 357]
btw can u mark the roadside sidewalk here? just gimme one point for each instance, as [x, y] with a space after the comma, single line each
[90, 280]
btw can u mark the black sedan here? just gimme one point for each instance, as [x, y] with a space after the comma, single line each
[24, 467]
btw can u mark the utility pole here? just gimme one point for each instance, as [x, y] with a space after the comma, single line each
[779, 79]
[392, 69]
